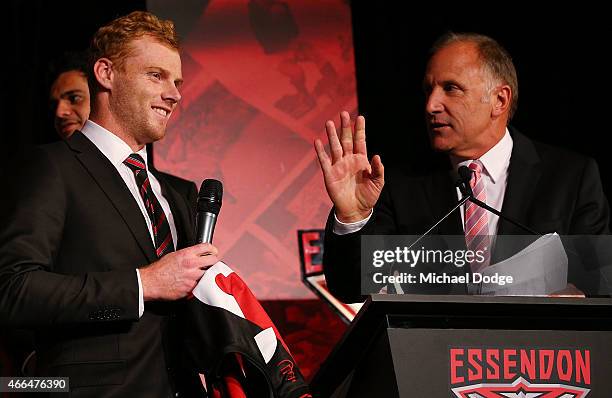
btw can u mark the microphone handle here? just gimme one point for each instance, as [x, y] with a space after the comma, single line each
[205, 227]
[500, 215]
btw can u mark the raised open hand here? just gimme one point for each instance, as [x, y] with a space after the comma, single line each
[352, 182]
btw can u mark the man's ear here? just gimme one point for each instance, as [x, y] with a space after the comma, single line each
[103, 71]
[502, 97]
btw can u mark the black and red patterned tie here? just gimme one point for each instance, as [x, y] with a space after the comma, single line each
[161, 227]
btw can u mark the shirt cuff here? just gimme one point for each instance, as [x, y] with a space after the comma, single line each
[140, 295]
[341, 228]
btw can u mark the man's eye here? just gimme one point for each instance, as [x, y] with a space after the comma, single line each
[155, 75]
[74, 99]
[451, 87]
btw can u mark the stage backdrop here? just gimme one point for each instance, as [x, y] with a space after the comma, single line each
[261, 79]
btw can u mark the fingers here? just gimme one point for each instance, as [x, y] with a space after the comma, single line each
[346, 139]
[206, 262]
[206, 256]
[360, 137]
[349, 142]
[202, 249]
[334, 143]
[176, 274]
[324, 160]
[378, 170]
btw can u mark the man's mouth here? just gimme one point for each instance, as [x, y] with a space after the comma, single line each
[438, 125]
[161, 111]
[67, 124]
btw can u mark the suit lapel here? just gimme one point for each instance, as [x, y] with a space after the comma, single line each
[442, 197]
[113, 186]
[442, 200]
[523, 176]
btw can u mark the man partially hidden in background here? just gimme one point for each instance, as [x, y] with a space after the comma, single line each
[69, 93]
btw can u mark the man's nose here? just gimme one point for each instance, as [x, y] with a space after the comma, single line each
[171, 94]
[63, 109]
[433, 103]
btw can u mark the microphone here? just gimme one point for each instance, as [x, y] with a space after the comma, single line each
[209, 205]
[465, 175]
[464, 181]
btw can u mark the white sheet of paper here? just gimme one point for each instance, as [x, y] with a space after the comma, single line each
[538, 270]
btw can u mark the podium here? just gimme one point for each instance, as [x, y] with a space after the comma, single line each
[473, 347]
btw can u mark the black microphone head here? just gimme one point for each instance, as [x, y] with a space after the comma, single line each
[210, 196]
[465, 175]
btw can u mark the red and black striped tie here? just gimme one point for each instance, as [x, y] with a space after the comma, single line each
[161, 228]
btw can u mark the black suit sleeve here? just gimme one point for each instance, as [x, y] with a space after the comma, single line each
[589, 256]
[32, 290]
[592, 213]
[342, 253]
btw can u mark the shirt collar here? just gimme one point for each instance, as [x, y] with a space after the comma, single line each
[113, 147]
[496, 160]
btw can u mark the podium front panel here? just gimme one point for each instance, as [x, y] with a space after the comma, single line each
[470, 363]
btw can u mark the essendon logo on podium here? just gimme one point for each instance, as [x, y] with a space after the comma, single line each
[520, 373]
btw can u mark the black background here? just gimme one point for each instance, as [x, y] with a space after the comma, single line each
[560, 54]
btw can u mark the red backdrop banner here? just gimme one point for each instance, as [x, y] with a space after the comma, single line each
[261, 79]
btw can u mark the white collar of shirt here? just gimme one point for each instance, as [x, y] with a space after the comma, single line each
[113, 147]
[497, 159]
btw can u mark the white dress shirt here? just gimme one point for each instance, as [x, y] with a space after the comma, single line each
[495, 173]
[117, 150]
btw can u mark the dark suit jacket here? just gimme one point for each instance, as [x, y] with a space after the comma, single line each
[548, 189]
[70, 242]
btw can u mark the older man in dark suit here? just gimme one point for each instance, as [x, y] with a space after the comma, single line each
[95, 246]
[471, 93]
